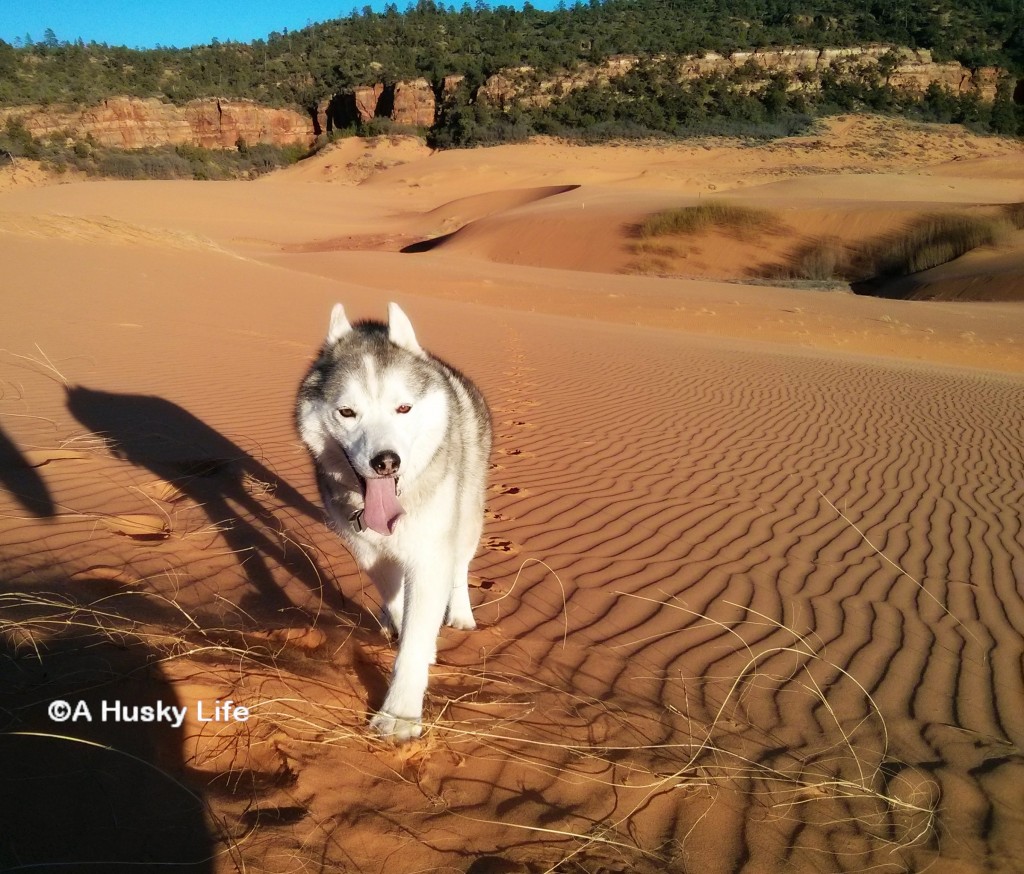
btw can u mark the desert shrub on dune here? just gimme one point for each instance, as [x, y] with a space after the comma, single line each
[926, 243]
[730, 217]
[1014, 213]
[143, 165]
[820, 260]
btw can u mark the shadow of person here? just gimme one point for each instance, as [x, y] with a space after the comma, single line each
[96, 794]
[22, 480]
[178, 447]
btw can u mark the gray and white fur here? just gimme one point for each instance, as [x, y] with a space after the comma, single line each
[400, 442]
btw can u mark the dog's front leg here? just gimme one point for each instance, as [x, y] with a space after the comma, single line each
[426, 599]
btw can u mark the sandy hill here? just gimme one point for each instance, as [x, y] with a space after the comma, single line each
[748, 591]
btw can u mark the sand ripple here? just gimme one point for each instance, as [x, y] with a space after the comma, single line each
[793, 566]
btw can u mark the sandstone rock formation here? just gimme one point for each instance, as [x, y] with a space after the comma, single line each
[367, 98]
[132, 123]
[414, 103]
[911, 70]
[406, 103]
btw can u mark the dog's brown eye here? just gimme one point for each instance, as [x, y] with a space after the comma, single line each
[404, 408]
[346, 412]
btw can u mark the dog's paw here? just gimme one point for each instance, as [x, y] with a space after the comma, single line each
[388, 625]
[396, 728]
[463, 623]
[461, 619]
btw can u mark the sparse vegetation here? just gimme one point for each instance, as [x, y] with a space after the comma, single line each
[820, 261]
[736, 219]
[929, 241]
[1014, 213]
[926, 243]
[660, 239]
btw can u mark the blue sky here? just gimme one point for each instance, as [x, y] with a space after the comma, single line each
[147, 23]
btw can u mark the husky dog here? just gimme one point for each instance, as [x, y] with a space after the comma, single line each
[400, 442]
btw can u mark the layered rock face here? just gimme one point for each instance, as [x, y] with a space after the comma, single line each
[132, 123]
[905, 69]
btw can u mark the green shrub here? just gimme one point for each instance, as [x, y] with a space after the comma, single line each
[16, 140]
[144, 164]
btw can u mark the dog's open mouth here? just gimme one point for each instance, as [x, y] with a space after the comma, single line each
[381, 509]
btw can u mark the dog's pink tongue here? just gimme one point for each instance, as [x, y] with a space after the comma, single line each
[382, 508]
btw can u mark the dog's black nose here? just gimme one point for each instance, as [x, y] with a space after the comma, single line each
[386, 463]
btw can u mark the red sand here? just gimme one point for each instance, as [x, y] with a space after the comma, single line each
[748, 589]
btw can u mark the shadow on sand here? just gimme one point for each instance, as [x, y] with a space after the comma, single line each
[98, 793]
[23, 481]
[166, 439]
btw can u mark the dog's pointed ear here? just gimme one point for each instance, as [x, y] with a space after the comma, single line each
[339, 324]
[400, 330]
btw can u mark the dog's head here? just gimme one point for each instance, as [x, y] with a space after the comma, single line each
[376, 395]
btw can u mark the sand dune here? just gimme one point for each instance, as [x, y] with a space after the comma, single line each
[354, 160]
[892, 188]
[748, 588]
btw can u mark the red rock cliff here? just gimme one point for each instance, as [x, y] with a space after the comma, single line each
[132, 123]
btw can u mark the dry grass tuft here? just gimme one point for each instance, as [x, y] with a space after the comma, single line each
[728, 217]
[821, 260]
[926, 243]
[1014, 214]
